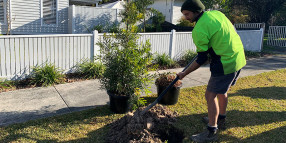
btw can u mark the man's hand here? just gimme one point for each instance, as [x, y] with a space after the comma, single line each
[181, 75]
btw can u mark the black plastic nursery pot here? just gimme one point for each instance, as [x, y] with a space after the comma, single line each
[119, 104]
[171, 97]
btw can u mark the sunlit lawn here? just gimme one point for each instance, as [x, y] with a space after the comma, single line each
[256, 113]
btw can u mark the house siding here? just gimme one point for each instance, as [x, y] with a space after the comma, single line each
[26, 18]
[85, 18]
[177, 14]
[4, 26]
[165, 7]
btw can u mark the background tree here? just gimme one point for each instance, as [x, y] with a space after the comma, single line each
[260, 10]
[142, 7]
[130, 15]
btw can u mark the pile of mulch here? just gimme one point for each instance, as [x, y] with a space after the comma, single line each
[156, 125]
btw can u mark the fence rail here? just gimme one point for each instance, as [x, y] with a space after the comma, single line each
[277, 36]
[249, 25]
[18, 54]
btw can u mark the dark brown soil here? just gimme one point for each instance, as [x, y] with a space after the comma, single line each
[156, 125]
[166, 79]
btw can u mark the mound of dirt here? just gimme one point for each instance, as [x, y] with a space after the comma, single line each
[156, 125]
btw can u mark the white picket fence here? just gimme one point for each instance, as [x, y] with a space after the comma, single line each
[250, 25]
[19, 54]
[277, 36]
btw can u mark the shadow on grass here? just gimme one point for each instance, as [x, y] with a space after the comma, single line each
[192, 124]
[82, 117]
[273, 92]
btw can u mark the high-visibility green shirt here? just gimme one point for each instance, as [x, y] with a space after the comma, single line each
[214, 30]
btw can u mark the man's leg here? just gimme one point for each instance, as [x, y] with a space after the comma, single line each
[222, 102]
[213, 108]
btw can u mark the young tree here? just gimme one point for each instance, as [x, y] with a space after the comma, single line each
[142, 6]
[130, 15]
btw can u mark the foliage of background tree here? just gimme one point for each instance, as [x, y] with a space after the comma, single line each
[142, 7]
[186, 23]
[278, 18]
[260, 10]
[130, 15]
[157, 19]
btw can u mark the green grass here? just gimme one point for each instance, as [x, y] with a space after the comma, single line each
[256, 113]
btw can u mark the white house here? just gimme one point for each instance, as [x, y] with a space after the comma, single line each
[36, 16]
[54, 17]
[171, 9]
[33, 16]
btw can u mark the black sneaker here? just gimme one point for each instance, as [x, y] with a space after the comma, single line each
[207, 136]
[220, 123]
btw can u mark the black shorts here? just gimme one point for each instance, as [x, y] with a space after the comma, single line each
[221, 84]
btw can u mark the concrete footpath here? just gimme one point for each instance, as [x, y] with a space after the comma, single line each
[34, 103]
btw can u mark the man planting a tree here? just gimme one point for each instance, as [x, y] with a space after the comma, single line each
[214, 35]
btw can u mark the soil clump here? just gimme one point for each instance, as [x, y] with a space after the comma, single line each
[155, 126]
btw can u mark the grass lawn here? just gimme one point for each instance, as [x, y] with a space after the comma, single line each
[256, 113]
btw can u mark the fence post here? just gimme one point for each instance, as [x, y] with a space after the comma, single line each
[172, 44]
[94, 39]
[263, 31]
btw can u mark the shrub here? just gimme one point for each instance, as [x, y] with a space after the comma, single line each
[164, 60]
[46, 75]
[250, 54]
[189, 55]
[91, 69]
[7, 85]
[126, 63]
[186, 23]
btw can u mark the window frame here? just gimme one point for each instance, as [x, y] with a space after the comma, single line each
[42, 15]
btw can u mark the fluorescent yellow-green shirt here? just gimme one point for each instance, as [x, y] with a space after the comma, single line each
[214, 30]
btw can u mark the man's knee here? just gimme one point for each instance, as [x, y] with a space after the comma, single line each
[222, 95]
[210, 96]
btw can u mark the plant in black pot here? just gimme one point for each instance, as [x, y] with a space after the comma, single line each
[172, 95]
[126, 69]
[127, 63]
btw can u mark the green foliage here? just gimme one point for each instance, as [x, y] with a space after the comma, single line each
[189, 55]
[250, 54]
[91, 69]
[110, 28]
[239, 18]
[164, 60]
[6, 85]
[157, 20]
[259, 10]
[142, 7]
[114, 28]
[279, 17]
[46, 75]
[127, 62]
[185, 22]
[130, 15]
[98, 27]
[137, 101]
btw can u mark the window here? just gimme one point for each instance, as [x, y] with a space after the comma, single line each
[2, 11]
[49, 11]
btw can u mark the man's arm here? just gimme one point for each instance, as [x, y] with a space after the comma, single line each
[190, 69]
[202, 58]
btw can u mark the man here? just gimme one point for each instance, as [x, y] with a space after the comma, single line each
[214, 35]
